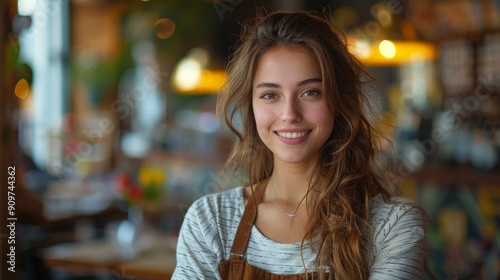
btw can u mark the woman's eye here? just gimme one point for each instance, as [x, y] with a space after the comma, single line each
[268, 96]
[311, 93]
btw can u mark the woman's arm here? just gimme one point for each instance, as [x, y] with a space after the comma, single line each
[196, 258]
[399, 243]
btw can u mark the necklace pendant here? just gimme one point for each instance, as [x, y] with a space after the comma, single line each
[286, 213]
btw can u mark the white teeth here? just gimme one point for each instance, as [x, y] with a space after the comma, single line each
[292, 134]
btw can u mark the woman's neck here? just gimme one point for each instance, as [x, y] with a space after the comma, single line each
[290, 181]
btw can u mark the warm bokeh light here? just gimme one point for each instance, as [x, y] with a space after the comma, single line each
[361, 48]
[187, 74]
[387, 53]
[211, 81]
[22, 89]
[194, 76]
[165, 28]
[387, 48]
[190, 78]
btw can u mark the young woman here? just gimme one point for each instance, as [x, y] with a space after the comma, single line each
[313, 206]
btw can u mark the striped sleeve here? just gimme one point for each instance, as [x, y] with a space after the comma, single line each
[398, 250]
[197, 246]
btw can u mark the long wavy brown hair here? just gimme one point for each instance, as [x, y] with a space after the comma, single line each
[345, 179]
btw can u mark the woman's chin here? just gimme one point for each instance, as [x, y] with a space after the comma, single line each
[294, 159]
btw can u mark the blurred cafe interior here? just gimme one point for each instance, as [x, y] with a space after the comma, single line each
[108, 120]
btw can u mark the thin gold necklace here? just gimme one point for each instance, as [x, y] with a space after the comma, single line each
[288, 214]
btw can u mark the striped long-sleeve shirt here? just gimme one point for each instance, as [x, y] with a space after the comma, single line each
[396, 250]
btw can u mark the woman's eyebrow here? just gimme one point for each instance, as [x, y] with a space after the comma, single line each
[309, 81]
[268, 85]
[302, 83]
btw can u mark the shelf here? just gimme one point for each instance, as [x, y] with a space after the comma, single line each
[455, 176]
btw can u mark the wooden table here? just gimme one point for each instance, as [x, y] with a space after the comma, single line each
[157, 266]
[97, 256]
[154, 259]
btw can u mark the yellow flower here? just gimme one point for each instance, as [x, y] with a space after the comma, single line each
[145, 176]
[149, 176]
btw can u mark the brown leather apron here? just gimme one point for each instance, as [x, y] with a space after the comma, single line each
[236, 268]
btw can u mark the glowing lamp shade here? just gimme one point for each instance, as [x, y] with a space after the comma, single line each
[390, 53]
[191, 75]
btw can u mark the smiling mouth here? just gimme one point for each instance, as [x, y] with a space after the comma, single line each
[292, 135]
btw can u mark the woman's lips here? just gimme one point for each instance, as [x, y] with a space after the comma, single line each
[292, 134]
[292, 137]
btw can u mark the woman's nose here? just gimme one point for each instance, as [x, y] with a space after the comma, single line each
[290, 111]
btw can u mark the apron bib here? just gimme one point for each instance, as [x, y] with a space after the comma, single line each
[236, 268]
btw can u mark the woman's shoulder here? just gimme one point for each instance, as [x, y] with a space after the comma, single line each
[394, 205]
[396, 213]
[231, 194]
[218, 203]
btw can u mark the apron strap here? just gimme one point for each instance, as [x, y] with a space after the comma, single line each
[247, 220]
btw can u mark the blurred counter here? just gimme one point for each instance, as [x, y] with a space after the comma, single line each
[152, 256]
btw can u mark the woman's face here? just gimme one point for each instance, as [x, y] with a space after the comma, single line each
[291, 114]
